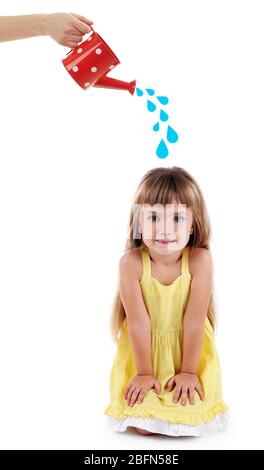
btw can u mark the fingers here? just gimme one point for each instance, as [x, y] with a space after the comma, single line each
[141, 396]
[157, 387]
[133, 395]
[191, 396]
[83, 19]
[72, 32]
[200, 391]
[184, 396]
[184, 393]
[81, 27]
[177, 393]
[72, 41]
[171, 383]
[126, 391]
[129, 394]
[70, 44]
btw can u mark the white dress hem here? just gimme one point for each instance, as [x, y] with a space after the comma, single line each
[162, 426]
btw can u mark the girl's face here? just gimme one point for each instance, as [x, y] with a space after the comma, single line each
[165, 228]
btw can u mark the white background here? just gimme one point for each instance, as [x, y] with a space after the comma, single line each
[70, 162]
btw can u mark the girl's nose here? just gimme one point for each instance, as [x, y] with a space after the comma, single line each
[167, 230]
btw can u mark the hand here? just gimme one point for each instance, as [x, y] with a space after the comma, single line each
[138, 388]
[66, 28]
[185, 385]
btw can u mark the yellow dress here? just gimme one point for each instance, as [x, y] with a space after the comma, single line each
[158, 413]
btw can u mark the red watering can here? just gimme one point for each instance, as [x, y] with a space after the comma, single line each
[89, 62]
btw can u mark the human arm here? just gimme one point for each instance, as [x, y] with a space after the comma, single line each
[193, 328]
[65, 28]
[139, 329]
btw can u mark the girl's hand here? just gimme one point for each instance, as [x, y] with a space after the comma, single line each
[185, 385]
[66, 28]
[138, 388]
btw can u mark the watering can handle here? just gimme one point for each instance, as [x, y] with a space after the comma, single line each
[82, 41]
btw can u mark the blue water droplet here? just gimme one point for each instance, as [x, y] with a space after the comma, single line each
[150, 91]
[172, 135]
[163, 116]
[162, 149]
[163, 99]
[139, 92]
[151, 106]
[156, 127]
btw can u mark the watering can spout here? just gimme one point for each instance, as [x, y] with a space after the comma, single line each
[108, 82]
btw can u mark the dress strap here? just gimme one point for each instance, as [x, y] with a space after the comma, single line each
[185, 260]
[145, 261]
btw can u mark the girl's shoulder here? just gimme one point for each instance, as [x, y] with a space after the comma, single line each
[199, 259]
[131, 261]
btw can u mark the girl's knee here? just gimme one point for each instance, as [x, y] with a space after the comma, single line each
[143, 431]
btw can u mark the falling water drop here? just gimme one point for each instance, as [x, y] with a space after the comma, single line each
[172, 135]
[163, 99]
[162, 149]
[163, 116]
[150, 91]
[151, 106]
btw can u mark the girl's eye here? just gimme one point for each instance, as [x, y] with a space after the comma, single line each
[179, 217]
[153, 218]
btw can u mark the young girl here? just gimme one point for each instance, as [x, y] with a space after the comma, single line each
[166, 376]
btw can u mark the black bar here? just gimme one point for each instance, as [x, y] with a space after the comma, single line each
[123, 458]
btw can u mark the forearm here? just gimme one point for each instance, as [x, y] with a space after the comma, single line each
[192, 344]
[20, 27]
[140, 337]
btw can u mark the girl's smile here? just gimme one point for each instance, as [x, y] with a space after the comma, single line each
[165, 242]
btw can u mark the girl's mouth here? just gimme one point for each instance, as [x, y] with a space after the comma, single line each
[165, 242]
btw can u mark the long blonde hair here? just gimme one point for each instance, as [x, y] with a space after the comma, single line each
[161, 186]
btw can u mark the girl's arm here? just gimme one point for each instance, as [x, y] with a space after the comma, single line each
[65, 28]
[138, 321]
[196, 310]
[186, 380]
